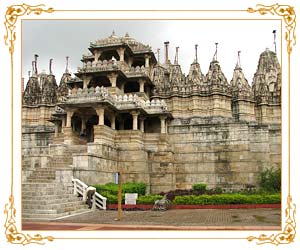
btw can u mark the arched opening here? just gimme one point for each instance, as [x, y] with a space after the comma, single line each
[152, 125]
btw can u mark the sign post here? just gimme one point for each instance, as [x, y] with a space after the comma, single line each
[119, 174]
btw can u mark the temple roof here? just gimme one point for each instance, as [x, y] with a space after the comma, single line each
[114, 40]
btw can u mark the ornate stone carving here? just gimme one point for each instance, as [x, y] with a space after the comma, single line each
[32, 93]
[49, 88]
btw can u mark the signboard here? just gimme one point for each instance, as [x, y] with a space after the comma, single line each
[130, 198]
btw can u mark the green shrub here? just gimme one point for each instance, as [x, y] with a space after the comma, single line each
[220, 199]
[199, 187]
[111, 198]
[129, 187]
[270, 180]
[148, 199]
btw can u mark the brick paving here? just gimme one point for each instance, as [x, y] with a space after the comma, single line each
[185, 219]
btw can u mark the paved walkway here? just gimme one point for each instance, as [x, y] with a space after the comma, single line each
[185, 219]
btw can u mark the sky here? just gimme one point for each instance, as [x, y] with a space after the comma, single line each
[57, 39]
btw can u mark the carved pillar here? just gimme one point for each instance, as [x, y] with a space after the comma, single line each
[63, 123]
[122, 86]
[142, 85]
[147, 57]
[121, 122]
[113, 79]
[56, 129]
[130, 61]
[83, 124]
[100, 113]
[135, 115]
[69, 117]
[86, 81]
[163, 124]
[97, 55]
[113, 121]
[142, 125]
[121, 53]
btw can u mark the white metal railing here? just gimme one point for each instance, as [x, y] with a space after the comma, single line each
[98, 200]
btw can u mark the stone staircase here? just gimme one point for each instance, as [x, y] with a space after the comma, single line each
[48, 194]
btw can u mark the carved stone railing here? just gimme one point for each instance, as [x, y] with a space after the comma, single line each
[98, 66]
[121, 102]
[97, 94]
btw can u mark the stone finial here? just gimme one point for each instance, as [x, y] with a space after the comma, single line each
[158, 55]
[215, 57]
[176, 56]
[196, 53]
[67, 65]
[50, 66]
[35, 64]
[274, 34]
[166, 51]
[238, 62]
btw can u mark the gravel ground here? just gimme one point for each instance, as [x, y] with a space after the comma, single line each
[183, 217]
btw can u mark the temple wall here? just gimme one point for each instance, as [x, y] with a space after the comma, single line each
[201, 106]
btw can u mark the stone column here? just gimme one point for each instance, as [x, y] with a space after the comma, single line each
[100, 113]
[142, 85]
[142, 125]
[113, 121]
[147, 57]
[163, 124]
[113, 79]
[121, 53]
[69, 117]
[135, 115]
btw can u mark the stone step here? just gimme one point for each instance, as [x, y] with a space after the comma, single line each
[40, 180]
[41, 194]
[37, 217]
[47, 202]
[55, 206]
[53, 209]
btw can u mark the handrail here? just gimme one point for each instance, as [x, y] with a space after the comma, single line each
[98, 200]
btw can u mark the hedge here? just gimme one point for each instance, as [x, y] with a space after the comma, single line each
[227, 199]
[148, 199]
[130, 187]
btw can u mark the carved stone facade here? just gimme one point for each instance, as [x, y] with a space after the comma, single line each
[123, 110]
